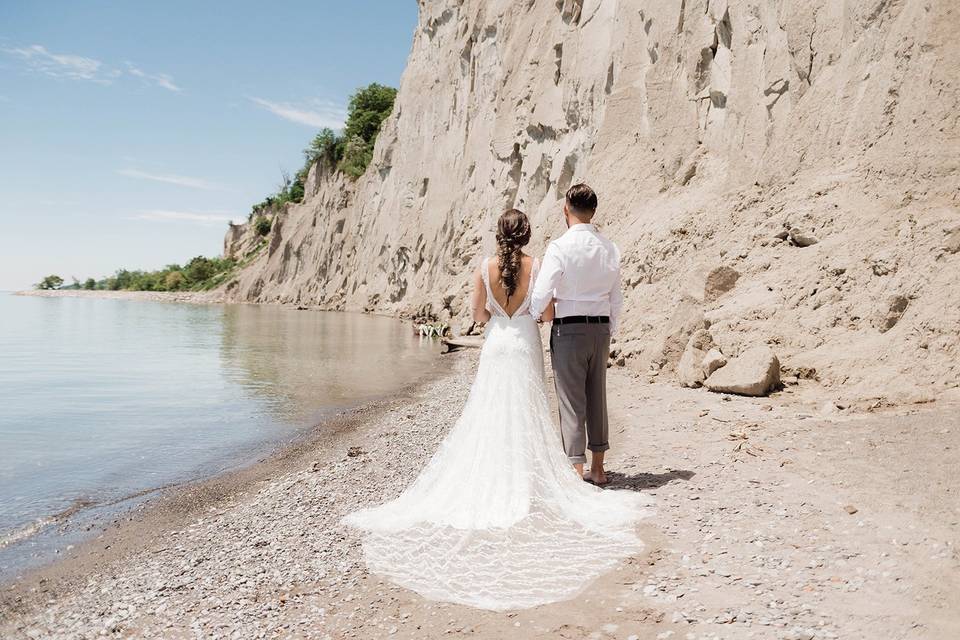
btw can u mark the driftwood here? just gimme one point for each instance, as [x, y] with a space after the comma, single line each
[462, 342]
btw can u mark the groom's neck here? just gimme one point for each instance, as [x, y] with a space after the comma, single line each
[573, 221]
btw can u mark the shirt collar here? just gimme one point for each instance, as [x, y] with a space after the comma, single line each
[582, 226]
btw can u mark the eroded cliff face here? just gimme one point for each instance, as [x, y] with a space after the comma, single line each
[710, 129]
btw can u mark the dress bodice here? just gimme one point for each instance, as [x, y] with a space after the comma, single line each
[494, 307]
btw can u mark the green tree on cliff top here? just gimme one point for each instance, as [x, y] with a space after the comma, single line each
[368, 109]
[350, 152]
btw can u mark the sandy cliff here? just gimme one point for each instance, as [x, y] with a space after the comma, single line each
[780, 173]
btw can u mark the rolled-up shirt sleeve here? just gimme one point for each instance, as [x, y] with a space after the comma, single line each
[551, 270]
[616, 300]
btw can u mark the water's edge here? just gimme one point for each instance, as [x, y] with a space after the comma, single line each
[94, 533]
[194, 297]
[173, 507]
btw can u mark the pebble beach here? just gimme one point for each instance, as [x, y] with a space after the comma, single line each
[767, 527]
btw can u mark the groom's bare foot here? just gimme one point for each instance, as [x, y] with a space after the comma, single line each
[579, 469]
[597, 476]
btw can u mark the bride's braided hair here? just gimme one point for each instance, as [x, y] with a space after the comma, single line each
[513, 233]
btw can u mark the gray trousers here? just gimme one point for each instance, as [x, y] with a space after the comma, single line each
[579, 354]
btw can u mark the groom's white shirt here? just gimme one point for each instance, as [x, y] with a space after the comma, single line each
[581, 269]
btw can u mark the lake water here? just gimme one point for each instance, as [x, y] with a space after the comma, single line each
[104, 400]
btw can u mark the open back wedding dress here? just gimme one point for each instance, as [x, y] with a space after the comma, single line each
[499, 519]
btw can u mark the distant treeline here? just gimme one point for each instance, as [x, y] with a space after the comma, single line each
[350, 152]
[199, 274]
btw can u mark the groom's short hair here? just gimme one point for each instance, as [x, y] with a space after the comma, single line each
[582, 199]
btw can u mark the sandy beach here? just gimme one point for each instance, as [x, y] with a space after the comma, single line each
[776, 517]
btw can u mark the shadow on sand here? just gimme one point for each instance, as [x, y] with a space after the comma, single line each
[645, 481]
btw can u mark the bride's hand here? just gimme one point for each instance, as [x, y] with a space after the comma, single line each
[549, 313]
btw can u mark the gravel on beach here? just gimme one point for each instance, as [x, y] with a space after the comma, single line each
[775, 520]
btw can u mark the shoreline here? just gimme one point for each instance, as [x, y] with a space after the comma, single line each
[131, 530]
[193, 297]
[44, 543]
[213, 297]
[876, 400]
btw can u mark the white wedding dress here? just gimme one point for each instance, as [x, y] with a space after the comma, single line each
[499, 519]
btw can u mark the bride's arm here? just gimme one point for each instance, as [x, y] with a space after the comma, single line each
[480, 313]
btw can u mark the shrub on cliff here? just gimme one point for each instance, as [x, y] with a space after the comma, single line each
[351, 152]
[262, 225]
[326, 146]
[369, 107]
[295, 189]
[290, 190]
[357, 154]
[90, 284]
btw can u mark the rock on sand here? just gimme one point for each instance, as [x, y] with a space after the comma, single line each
[753, 373]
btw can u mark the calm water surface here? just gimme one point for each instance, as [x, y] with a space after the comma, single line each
[101, 400]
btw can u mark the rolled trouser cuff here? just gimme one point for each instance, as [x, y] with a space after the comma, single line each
[599, 448]
[581, 459]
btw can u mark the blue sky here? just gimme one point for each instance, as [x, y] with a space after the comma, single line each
[130, 132]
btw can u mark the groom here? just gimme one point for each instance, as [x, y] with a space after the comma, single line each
[581, 271]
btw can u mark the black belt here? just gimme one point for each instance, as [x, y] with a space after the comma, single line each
[582, 320]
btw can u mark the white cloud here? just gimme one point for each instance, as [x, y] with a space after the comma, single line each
[182, 181]
[166, 82]
[205, 218]
[161, 80]
[73, 67]
[318, 114]
[60, 65]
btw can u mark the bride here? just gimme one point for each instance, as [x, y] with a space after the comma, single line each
[499, 519]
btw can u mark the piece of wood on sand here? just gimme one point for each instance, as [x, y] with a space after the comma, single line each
[462, 342]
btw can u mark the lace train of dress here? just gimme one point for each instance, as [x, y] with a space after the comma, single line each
[498, 519]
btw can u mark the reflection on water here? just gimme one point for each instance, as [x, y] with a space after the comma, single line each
[103, 399]
[303, 361]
